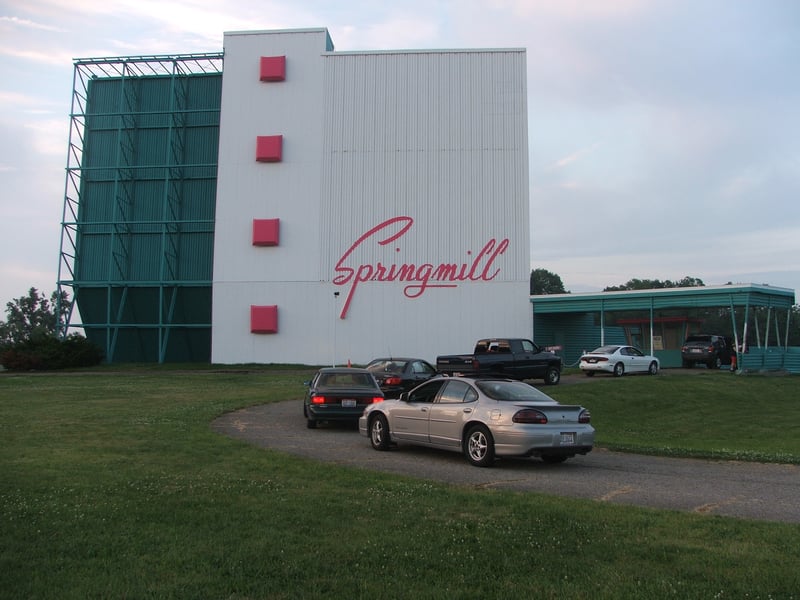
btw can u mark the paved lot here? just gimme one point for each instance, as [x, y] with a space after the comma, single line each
[747, 490]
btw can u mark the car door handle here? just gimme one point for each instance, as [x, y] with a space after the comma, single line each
[467, 410]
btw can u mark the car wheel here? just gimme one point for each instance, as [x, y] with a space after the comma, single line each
[653, 369]
[619, 370]
[379, 433]
[553, 459]
[479, 446]
[715, 364]
[687, 364]
[311, 423]
[552, 377]
[590, 373]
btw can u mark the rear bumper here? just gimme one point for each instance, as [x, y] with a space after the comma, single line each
[604, 367]
[333, 413]
[545, 441]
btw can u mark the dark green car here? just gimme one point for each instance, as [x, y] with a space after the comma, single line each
[340, 394]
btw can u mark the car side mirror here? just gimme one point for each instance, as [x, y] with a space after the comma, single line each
[404, 397]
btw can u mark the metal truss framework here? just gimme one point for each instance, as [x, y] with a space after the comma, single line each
[177, 68]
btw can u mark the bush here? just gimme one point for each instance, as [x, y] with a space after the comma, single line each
[47, 353]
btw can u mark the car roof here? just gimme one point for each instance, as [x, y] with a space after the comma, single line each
[396, 358]
[342, 370]
[446, 377]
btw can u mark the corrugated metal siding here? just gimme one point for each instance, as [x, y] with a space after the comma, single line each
[575, 334]
[696, 297]
[146, 215]
[426, 136]
[771, 359]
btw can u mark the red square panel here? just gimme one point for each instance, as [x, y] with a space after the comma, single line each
[266, 232]
[269, 148]
[264, 319]
[273, 68]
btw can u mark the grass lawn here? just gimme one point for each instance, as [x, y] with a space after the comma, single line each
[112, 485]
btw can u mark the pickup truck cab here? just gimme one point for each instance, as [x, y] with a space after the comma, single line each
[515, 358]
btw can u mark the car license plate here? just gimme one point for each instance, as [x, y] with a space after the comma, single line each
[696, 350]
[348, 403]
[568, 439]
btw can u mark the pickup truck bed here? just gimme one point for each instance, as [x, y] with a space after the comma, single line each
[515, 358]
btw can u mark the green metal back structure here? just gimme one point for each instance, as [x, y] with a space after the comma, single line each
[137, 232]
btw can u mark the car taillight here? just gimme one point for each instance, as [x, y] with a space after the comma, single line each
[377, 399]
[585, 416]
[393, 381]
[318, 400]
[529, 415]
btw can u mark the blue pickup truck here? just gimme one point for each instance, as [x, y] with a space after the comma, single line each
[514, 358]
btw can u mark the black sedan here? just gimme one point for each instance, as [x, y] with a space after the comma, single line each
[398, 375]
[339, 394]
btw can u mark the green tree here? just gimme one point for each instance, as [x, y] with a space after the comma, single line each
[31, 317]
[655, 284]
[546, 282]
[29, 340]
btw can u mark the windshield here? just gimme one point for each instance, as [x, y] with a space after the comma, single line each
[512, 391]
[387, 366]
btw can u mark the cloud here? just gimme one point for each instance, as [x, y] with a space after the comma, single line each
[26, 24]
[568, 160]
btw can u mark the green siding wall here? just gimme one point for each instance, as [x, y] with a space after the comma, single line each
[575, 333]
[145, 227]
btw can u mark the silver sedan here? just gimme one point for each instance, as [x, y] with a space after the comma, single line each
[482, 418]
[618, 360]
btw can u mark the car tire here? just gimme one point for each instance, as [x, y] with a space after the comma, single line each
[590, 373]
[619, 370]
[687, 364]
[552, 376]
[715, 363]
[311, 423]
[653, 368]
[379, 433]
[478, 446]
[553, 459]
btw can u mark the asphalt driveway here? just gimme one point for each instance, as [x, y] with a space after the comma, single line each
[746, 490]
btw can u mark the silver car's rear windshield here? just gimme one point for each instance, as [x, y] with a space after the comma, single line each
[513, 391]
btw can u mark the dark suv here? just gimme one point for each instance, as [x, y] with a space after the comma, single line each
[711, 350]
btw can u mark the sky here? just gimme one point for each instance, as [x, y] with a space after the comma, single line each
[664, 134]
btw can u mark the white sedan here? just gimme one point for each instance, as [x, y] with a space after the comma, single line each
[618, 360]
